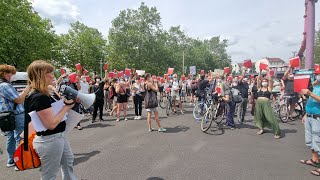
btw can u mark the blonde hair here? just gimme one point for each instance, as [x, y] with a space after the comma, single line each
[6, 69]
[36, 75]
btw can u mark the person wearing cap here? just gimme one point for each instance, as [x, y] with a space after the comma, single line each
[312, 124]
[289, 91]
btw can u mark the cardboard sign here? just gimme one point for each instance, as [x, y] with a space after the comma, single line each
[127, 72]
[73, 77]
[85, 72]
[105, 66]
[247, 63]
[226, 70]
[263, 66]
[62, 71]
[170, 70]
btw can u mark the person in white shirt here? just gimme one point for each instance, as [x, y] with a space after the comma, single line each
[175, 94]
[84, 85]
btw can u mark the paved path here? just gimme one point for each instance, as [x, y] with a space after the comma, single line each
[126, 150]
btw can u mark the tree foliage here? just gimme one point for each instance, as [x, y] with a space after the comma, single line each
[24, 35]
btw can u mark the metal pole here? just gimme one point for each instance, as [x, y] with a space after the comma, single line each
[183, 63]
[101, 67]
[310, 34]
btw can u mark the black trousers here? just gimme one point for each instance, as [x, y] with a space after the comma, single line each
[138, 104]
[98, 105]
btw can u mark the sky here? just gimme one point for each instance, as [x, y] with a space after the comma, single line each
[254, 28]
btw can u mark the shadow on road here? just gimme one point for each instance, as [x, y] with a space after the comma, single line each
[97, 125]
[177, 129]
[84, 157]
[154, 178]
[216, 130]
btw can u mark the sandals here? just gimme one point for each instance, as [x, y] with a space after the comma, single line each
[260, 132]
[315, 172]
[313, 163]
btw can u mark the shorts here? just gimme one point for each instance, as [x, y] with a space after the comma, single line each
[122, 98]
[312, 134]
[183, 94]
[176, 97]
[152, 110]
[294, 99]
[161, 89]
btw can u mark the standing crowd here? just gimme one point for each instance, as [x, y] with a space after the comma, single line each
[114, 96]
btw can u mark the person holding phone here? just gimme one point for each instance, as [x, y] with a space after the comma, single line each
[51, 145]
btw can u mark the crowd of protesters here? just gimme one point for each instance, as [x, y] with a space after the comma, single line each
[114, 95]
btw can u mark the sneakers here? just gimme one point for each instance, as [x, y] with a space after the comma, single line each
[79, 128]
[118, 120]
[162, 129]
[138, 117]
[135, 118]
[10, 165]
[150, 130]
[182, 112]
[16, 169]
[126, 119]
[277, 136]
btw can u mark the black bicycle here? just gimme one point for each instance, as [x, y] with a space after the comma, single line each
[216, 112]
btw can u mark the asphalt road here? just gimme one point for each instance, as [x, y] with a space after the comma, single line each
[126, 150]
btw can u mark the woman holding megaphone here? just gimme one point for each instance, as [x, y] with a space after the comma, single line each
[51, 145]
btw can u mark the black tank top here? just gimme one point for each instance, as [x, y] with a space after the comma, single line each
[265, 94]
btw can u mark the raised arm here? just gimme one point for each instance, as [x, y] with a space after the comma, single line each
[285, 76]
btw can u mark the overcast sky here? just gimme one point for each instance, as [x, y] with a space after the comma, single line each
[254, 28]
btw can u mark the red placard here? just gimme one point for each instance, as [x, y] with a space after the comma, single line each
[251, 76]
[165, 76]
[161, 80]
[114, 75]
[301, 82]
[295, 62]
[168, 78]
[78, 66]
[62, 71]
[88, 78]
[317, 69]
[141, 80]
[263, 66]
[170, 70]
[183, 78]
[115, 70]
[218, 89]
[202, 72]
[85, 72]
[226, 70]
[229, 78]
[127, 72]
[105, 67]
[110, 75]
[73, 77]
[271, 73]
[247, 63]
[120, 74]
[158, 78]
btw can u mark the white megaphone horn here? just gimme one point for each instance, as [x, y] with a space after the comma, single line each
[86, 99]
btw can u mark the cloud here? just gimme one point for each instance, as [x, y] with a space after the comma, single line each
[267, 25]
[61, 12]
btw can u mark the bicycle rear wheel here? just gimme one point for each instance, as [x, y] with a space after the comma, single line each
[199, 110]
[283, 113]
[163, 103]
[206, 121]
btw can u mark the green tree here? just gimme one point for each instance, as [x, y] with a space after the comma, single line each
[81, 44]
[24, 35]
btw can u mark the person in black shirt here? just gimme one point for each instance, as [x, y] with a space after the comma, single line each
[289, 91]
[202, 85]
[98, 90]
[51, 145]
[243, 87]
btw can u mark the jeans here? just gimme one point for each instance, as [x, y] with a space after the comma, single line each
[243, 108]
[312, 134]
[55, 154]
[138, 104]
[13, 137]
[230, 114]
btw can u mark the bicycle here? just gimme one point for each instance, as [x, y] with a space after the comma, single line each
[163, 101]
[169, 104]
[285, 109]
[201, 107]
[216, 113]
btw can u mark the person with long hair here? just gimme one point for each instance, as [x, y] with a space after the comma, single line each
[51, 145]
[138, 89]
[11, 100]
[152, 86]
[264, 115]
[122, 99]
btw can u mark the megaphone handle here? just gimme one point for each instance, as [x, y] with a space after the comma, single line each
[68, 104]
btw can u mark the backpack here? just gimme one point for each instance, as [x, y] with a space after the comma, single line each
[25, 156]
[236, 95]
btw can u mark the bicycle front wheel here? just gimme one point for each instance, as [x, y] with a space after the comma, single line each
[283, 113]
[206, 121]
[199, 110]
[163, 103]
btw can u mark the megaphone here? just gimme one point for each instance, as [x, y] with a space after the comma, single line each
[86, 99]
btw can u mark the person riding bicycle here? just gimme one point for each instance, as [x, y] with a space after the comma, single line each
[289, 91]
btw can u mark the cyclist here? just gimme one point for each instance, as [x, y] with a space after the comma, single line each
[202, 85]
[289, 91]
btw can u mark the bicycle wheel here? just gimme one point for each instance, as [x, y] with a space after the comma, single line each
[283, 115]
[206, 121]
[219, 113]
[298, 111]
[199, 110]
[163, 103]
